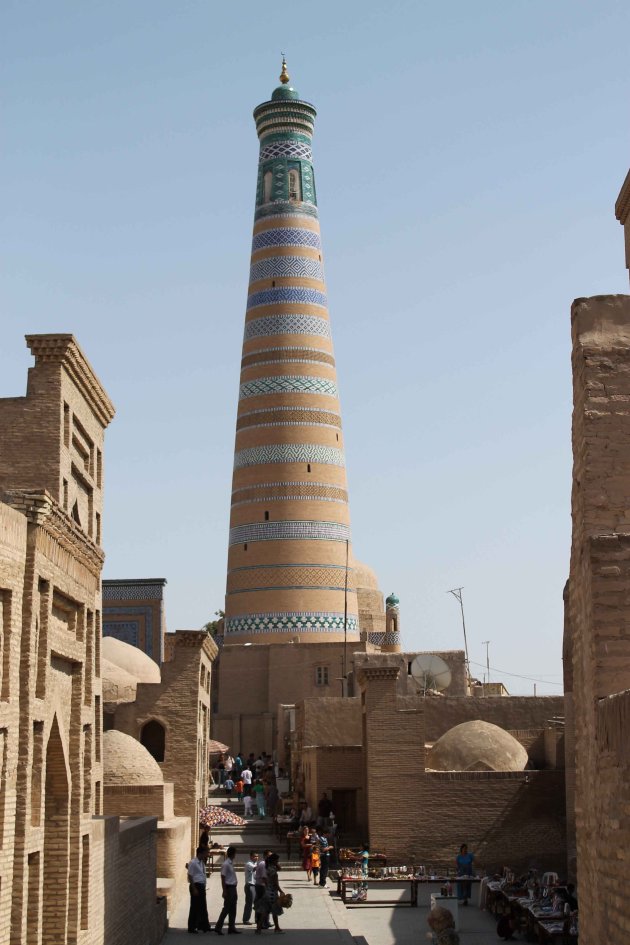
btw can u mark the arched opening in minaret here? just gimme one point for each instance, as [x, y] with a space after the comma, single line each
[267, 182]
[294, 186]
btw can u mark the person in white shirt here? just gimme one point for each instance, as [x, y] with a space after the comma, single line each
[250, 886]
[198, 913]
[247, 791]
[230, 895]
[261, 882]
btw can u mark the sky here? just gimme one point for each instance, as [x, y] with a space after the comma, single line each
[468, 157]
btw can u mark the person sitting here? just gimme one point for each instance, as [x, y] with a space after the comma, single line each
[442, 924]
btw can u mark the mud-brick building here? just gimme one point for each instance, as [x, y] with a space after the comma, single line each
[419, 774]
[65, 872]
[597, 628]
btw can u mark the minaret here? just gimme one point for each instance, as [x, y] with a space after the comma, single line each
[288, 575]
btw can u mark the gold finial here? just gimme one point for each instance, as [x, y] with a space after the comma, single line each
[284, 75]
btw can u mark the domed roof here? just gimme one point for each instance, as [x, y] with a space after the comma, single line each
[131, 659]
[118, 685]
[477, 746]
[392, 600]
[126, 761]
[364, 576]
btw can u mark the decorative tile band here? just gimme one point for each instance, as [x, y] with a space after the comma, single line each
[295, 577]
[288, 149]
[297, 621]
[289, 453]
[287, 353]
[290, 267]
[287, 325]
[380, 638]
[285, 208]
[292, 416]
[286, 236]
[288, 359]
[289, 531]
[288, 384]
[287, 295]
[274, 491]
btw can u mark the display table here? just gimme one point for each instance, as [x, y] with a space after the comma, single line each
[447, 902]
[345, 881]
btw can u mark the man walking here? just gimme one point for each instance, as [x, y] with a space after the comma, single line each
[230, 895]
[198, 913]
[250, 886]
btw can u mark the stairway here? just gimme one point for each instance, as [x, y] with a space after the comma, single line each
[257, 834]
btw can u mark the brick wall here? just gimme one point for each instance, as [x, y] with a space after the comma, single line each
[181, 703]
[509, 712]
[13, 527]
[506, 817]
[129, 862]
[598, 617]
[254, 680]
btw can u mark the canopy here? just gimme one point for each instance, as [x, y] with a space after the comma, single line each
[215, 816]
[216, 748]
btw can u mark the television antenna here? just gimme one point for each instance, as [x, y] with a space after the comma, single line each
[430, 672]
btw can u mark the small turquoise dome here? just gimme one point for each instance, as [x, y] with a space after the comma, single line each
[284, 93]
[392, 600]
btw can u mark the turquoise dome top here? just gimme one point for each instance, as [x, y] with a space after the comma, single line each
[392, 600]
[284, 93]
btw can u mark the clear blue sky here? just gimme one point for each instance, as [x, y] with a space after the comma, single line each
[468, 156]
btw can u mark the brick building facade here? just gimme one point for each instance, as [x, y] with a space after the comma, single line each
[60, 868]
[597, 629]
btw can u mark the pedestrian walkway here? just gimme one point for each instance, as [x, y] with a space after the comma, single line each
[314, 912]
[319, 917]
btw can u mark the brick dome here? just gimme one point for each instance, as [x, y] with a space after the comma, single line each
[364, 576]
[477, 746]
[131, 659]
[118, 685]
[126, 761]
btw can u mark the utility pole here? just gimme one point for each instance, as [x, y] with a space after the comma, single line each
[486, 643]
[457, 594]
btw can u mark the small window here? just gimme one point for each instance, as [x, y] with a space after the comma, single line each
[266, 516]
[267, 184]
[308, 467]
[321, 676]
[273, 283]
[294, 186]
[245, 547]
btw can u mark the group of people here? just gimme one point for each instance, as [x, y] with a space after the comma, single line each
[263, 894]
[316, 850]
[252, 780]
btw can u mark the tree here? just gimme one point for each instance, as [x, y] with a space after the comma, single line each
[213, 625]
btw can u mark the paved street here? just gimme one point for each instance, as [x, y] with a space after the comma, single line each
[329, 922]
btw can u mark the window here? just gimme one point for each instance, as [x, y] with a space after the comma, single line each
[266, 516]
[308, 467]
[321, 676]
[267, 182]
[294, 186]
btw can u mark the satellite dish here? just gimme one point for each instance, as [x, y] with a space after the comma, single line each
[430, 672]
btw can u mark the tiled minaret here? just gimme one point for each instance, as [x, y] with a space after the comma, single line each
[288, 575]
